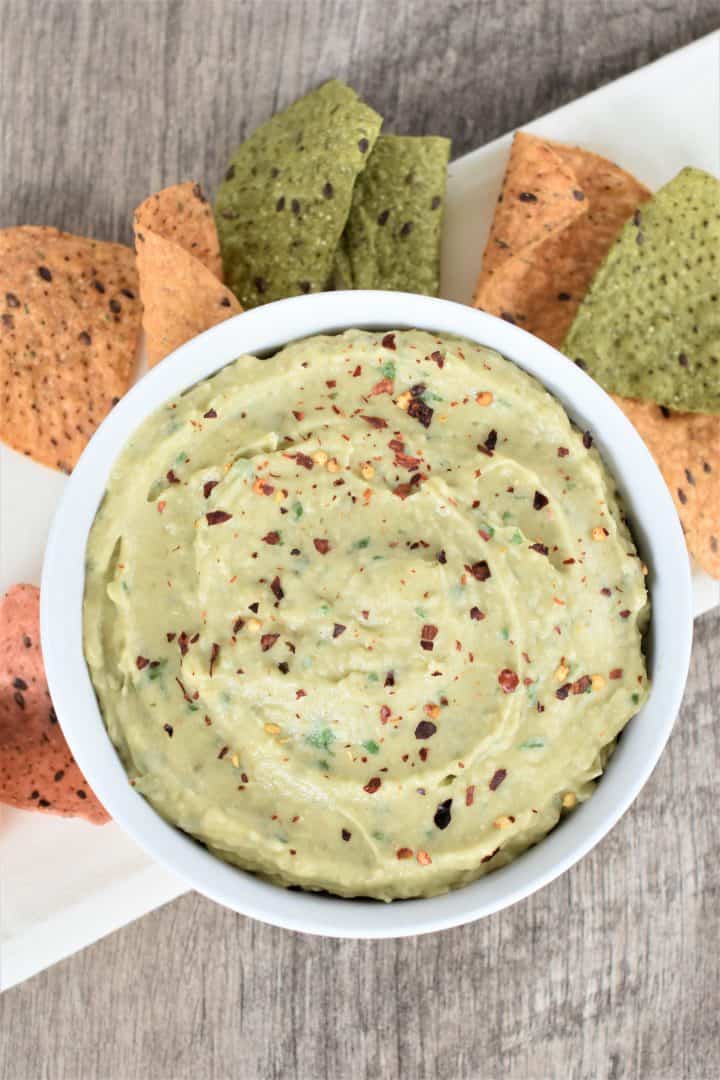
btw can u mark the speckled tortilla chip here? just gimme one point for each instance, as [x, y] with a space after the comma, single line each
[542, 255]
[69, 333]
[649, 327]
[180, 269]
[392, 236]
[686, 447]
[37, 770]
[181, 213]
[286, 195]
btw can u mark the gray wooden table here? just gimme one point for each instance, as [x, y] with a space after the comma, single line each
[612, 971]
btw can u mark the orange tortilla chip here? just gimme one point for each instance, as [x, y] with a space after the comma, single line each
[180, 296]
[686, 447]
[539, 282]
[37, 770]
[178, 260]
[69, 333]
[181, 213]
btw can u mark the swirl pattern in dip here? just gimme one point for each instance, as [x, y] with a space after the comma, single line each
[365, 616]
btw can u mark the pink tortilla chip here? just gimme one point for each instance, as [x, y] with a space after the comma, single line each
[37, 770]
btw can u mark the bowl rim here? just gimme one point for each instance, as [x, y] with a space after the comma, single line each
[656, 529]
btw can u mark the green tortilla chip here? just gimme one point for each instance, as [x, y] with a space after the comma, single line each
[649, 327]
[392, 237]
[286, 195]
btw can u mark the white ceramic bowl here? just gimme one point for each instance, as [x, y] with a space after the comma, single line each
[655, 526]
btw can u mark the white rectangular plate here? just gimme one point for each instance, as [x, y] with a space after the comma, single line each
[64, 883]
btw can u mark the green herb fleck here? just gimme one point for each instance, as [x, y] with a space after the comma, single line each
[635, 698]
[488, 529]
[297, 510]
[516, 538]
[388, 369]
[505, 633]
[421, 612]
[533, 743]
[373, 676]
[322, 739]
[371, 746]
[155, 672]
[506, 516]
[365, 542]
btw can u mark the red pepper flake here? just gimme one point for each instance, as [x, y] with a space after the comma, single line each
[562, 692]
[404, 853]
[385, 714]
[171, 477]
[298, 414]
[217, 517]
[238, 625]
[582, 685]
[372, 785]
[606, 592]
[568, 562]
[425, 729]
[346, 834]
[427, 636]
[487, 858]
[404, 490]
[184, 691]
[438, 358]
[498, 777]
[338, 629]
[210, 415]
[271, 538]
[323, 546]
[539, 500]
[420, 411]
[357, 372]
[267, 641]
[423, 858]
[208, 486]
[479, 570]
[385, 386]
[300, 694]
[388, 342]
[441, 557]
[616, 673]
[194, 638]
[214, 653]
[587, 440]
[223, 752]
[476, 614]
[183, 643]
[470, 795]
[276, 588]
[389, 679]
[161, 506]
[540, 548]
[423, 752]
[625, 614]
[169, 729]
[509, 680]
[304, 460]
[170, 636]
[405, 461]
[375, 421]
[397, 445]
[142, 662]
[563, 451]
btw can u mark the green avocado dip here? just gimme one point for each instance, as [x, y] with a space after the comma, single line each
[364, 617]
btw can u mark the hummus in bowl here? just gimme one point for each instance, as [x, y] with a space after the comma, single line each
[365, 615]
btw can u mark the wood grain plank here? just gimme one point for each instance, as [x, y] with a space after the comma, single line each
[610, 972]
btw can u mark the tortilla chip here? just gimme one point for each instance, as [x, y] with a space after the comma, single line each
[686, 447]
[37, 770]
[649, 327]
[181, 297]
[181, 213]
[541, 256]
[392, 236]
[69, 333]
[286, 195]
